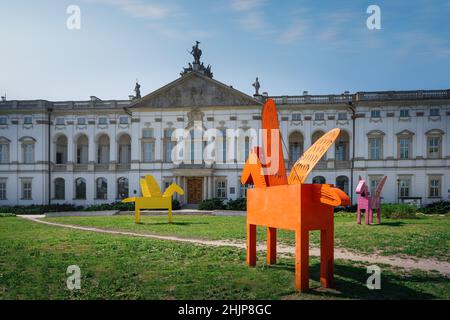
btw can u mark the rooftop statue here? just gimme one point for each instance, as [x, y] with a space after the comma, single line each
[196, 52]
[256, 85]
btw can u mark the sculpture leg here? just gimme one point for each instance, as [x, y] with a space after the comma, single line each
[301, 260]
[366, 213]
[358, 214]
[379, 215]
[371, 215]
[271, 246]
[170, 212]
[327, 257]
[137, 214]
[251, 245]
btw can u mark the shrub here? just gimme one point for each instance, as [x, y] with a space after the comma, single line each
[441, 207]
[351, 208]
[4, 215]
[398, 211]
[237, 205]
[211, 204]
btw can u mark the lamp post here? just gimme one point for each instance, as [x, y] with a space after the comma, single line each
[398, 190]
[353, 111]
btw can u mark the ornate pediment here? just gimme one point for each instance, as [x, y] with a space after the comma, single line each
[195, 90]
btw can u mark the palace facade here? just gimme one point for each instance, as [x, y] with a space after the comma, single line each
[95, 151]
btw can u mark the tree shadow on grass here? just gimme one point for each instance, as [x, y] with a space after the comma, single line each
[173, 223]
[389, 224]
[350, 283]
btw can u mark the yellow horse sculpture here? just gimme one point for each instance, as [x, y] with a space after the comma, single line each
[152, 197]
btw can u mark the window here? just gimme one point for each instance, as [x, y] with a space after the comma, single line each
[82, 148]
[319, 180]
[103, 149]
[80, 189]
[375, 147]
[434, 112]
[246, 148]
[375, 113]
[3, 120]
[60, 121]
[342, 183]
[434, 190]
[168, 145]
[122, 188]
[404, 113]
[404, 147]
[404, 187]
[60, 189]
[3, 189]
[103, 120]
[81, 121]
[123, 120]
[374, 184]
[102, 189]
[342, 147]
[28, 151]
[243, 189]
[147, 149]
[26, 190]
[434, 144]
[295, 146]
[223, 141]
[296, 117]
[61, 149]
[4, 150]
[221, 189]
[342, 116]
[319, 116]
[124, 149]
[147, 133]
[316, 136]
[28, 120]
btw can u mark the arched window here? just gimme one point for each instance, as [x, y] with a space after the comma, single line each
[194, 146]
[246, 148]
[4, 150]
[342, 146]
[60, 189]
[295, 146]
[101, 189]
[124, 149]
[342, 183]
[319, 180]
[61, 149]
[27, 149]
[80, 189]
[122, 188]
[103, 149]
[404, 144]
[82, 149]
[316, 136]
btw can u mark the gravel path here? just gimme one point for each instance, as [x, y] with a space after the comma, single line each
[339, 253]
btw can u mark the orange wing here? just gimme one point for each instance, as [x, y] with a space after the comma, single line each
[253, 170]
[309, 159]
[275, 170]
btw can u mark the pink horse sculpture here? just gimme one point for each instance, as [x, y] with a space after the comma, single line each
[367, 202]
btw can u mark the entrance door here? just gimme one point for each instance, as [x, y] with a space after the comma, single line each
[194, 190]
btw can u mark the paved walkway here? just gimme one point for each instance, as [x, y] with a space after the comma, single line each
[339, 253]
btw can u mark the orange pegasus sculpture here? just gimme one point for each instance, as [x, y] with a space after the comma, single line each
[281, 202]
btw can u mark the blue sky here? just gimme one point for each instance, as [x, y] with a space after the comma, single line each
[322, 46]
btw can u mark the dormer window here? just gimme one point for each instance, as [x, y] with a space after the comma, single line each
[123, 120]
[375, 114]
[319, 116]
[28, 120]
[404, 113]
[434, 112]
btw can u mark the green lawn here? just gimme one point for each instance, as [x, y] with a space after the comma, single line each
[427, 236]
[34, 258]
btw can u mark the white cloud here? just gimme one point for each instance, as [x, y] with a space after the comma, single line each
[422, 43]
[255, 22]
[140, 9]
[293, 34]
[245, 5]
